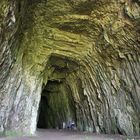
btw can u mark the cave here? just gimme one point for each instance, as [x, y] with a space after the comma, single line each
[70, 60]
[56, 109]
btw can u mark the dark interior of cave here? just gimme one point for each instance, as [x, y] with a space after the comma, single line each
[41, 117]
[56, 109]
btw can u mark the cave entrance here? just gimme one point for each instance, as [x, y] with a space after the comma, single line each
[56, 109]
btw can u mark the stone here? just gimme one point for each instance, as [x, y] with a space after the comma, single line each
[82, 57]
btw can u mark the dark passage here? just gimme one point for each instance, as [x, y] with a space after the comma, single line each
[56, 106]
[42, 113]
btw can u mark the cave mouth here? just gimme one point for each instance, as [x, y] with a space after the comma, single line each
[56, 108]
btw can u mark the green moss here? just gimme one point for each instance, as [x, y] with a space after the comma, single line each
[58, 38]
[4, 8]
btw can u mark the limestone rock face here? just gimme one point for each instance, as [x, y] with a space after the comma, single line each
[81, 57]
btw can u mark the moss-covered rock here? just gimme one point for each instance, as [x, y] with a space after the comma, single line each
[90, 47]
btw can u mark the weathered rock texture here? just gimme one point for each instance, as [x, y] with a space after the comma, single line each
[83, 54]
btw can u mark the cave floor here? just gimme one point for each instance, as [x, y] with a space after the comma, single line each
[43, 134]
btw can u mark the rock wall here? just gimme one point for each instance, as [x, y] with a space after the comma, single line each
[91, 46]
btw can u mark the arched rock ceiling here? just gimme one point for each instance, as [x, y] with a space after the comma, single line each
[101, 40]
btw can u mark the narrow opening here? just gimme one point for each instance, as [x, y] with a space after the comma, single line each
[56, 108]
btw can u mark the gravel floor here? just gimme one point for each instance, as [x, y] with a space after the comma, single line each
[68, 135]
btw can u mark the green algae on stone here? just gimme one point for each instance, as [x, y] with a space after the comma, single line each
[83, 55]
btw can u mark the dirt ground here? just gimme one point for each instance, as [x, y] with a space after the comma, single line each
[43, 134]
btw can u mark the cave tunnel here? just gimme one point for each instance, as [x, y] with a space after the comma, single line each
[56, 109]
